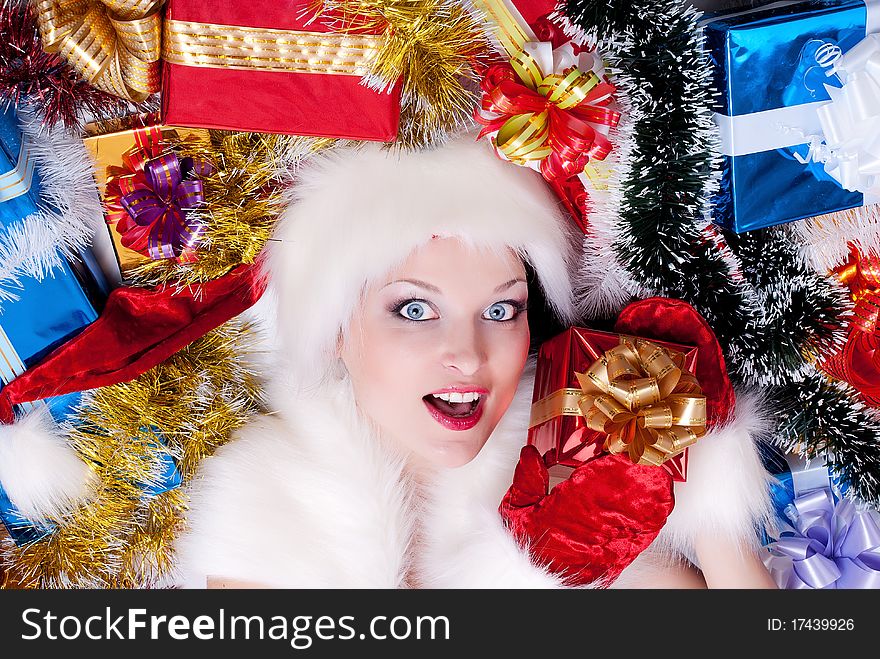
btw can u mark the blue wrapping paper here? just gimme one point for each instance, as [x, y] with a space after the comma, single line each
[765, 60]
[167, 475]
[19, 178]
[50, 311]
[47, 312]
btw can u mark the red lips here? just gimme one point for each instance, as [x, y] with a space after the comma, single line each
[456, 422]
[446, 415]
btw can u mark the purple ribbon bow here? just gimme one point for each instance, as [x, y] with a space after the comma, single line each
[831, 545]
[161, 203]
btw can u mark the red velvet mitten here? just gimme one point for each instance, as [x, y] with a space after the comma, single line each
[595, 523]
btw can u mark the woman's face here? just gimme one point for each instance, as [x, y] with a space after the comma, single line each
[437, 348]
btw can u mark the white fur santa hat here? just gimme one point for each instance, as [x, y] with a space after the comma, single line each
[356, 213]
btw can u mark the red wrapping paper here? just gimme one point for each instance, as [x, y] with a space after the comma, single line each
[565, 440]
[313, 104]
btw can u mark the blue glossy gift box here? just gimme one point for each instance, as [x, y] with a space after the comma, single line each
[43, 313]
[46, 312]
[771, 67]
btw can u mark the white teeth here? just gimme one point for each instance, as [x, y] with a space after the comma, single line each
[458, 397]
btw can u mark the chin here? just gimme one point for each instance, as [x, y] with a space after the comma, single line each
[453, 461]
[454, 454]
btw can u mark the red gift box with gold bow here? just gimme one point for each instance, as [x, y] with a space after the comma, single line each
[268, 67]
[599, 391]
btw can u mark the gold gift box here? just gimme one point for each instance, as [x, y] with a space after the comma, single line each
[106, 142]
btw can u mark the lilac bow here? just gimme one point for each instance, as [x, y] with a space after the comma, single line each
[831, 545]
[157, 204]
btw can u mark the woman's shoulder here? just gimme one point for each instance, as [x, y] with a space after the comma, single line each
[276, 505]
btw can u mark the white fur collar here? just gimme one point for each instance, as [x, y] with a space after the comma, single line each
[310, 497]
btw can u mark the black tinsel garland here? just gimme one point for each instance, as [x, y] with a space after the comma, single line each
[771, 313]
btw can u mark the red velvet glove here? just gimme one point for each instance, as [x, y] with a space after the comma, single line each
[592, 525]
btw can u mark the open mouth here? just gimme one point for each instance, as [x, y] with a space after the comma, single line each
[456, 410]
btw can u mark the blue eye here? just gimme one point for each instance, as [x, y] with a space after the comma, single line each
[503, 311]
[416, 310]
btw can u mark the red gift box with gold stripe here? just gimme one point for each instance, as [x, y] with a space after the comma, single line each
[267, 67]
[561, 427]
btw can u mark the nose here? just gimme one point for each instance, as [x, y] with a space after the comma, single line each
[464, 350]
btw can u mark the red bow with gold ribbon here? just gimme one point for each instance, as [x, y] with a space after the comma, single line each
[547, 119]
[647, 406]
[859, 361]
[156, 239]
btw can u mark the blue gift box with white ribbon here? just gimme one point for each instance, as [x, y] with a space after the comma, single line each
[44, 313]
[41, 314]
[798, 110]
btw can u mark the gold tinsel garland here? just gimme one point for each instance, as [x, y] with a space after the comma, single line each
[244, 196]
[122, 537]
[432, 47]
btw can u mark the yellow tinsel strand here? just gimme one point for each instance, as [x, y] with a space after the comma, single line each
[432, 46]
[123, 537]
[148, 555]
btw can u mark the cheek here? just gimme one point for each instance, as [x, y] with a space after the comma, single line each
[386, 368]
[392, 357]
[508, 356]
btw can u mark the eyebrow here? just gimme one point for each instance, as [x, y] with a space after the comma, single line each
[415, 282]
[510, 283]
[434, 289]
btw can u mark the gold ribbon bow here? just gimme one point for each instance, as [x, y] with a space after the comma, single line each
[648, 406]
[114, 44]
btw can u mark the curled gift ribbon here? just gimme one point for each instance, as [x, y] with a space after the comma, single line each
[649, 407]
[149, 195]
[555, 122]
[859, 361]
[831, 545]
[851, 121]
[114, 44]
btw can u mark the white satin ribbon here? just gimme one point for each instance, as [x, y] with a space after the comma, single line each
[771, 129]
[11, 365]
[851, 120]
[17, 181]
